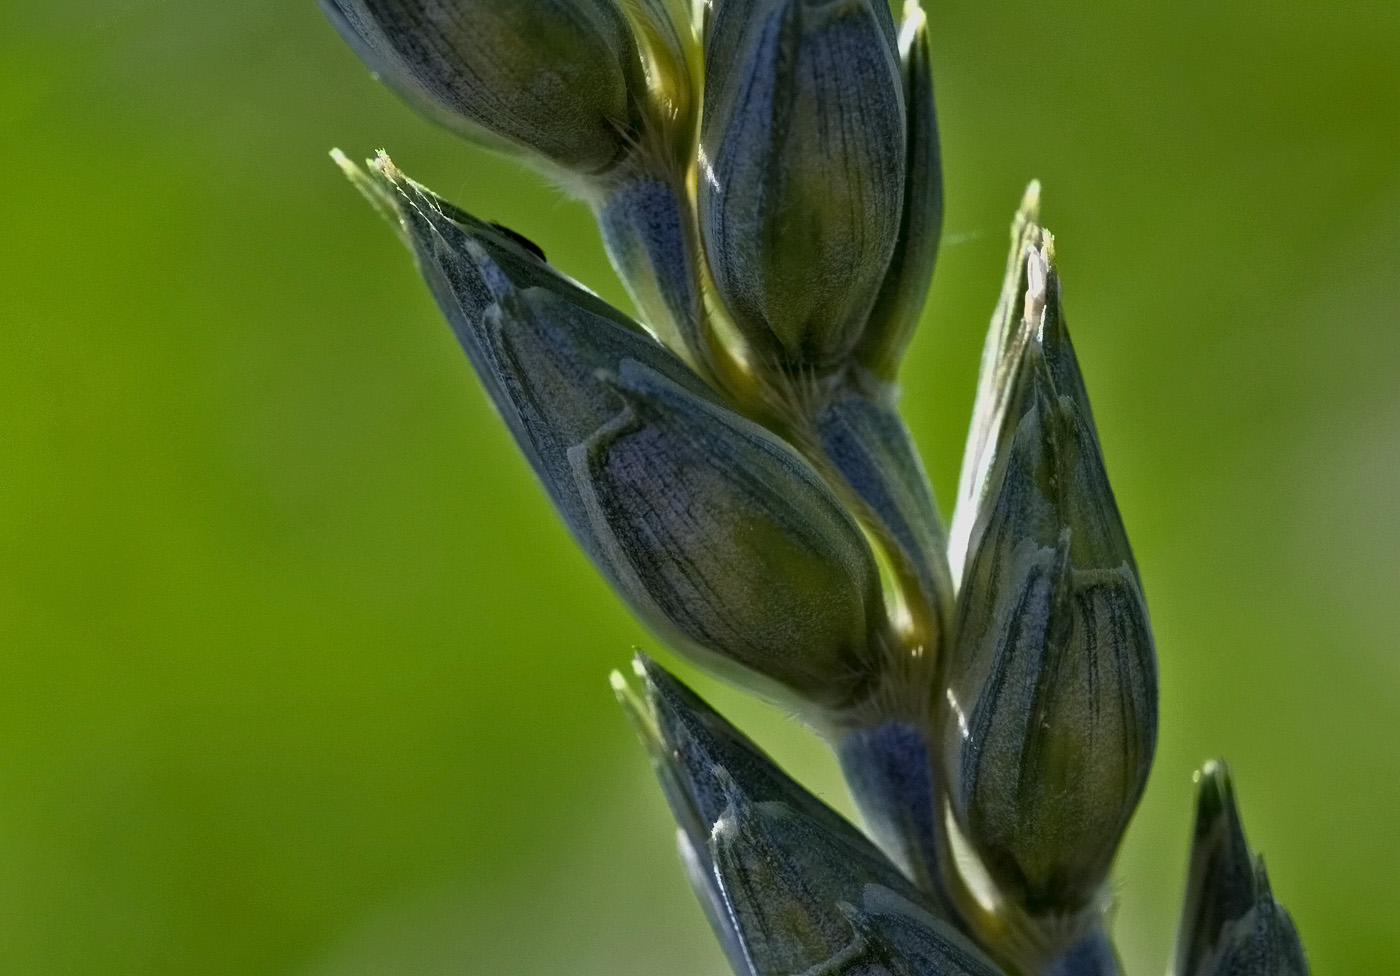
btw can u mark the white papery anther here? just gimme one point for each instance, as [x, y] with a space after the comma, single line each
[1037, 275]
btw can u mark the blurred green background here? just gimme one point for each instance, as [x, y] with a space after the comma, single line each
[300, 675]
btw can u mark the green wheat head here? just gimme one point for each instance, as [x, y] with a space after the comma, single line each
[767, 180]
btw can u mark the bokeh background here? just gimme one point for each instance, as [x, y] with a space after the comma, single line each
[300, 675]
